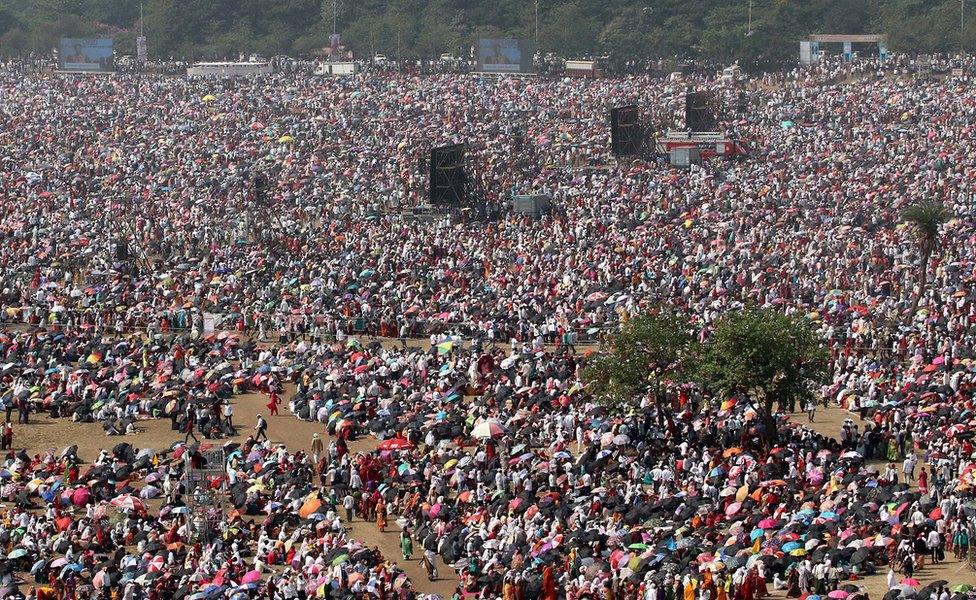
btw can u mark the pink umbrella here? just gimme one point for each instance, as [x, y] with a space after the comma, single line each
[80, 496]
[766, 523]
[911, 581]
[733, 508]
[251, 577]
[838, 594]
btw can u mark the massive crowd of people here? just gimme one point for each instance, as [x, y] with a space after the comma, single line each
[143, 275]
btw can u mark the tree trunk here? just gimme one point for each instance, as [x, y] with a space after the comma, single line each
[770, 435]
[658, 403]
[922, 277]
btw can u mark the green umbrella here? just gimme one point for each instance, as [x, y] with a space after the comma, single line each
[959, 588]
[17, 553]
[340, 559]
[638, 546]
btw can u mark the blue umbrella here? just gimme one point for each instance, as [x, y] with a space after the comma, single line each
[790, 546]
[756, 534]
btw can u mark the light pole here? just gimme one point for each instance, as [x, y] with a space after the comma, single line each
[962, 24]
[536, 49]
[749, 32]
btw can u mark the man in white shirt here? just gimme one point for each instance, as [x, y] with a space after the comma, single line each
[908, 467]
[933, 541]
[229, 413]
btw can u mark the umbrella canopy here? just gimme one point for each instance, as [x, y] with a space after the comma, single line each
[487, 429]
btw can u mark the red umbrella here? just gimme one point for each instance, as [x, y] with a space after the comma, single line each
[397, 443]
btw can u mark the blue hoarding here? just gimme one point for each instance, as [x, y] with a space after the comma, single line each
[504, 56]
[86, 54]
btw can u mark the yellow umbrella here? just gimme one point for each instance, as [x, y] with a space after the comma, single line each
[286, 139]
[741, 494]
[209, 98]
[450, 463]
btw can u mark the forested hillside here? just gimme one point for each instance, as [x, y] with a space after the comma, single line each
[713, 29]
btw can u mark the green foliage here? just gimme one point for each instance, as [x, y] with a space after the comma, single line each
[926, 218]
[765, 357]
[713, 29]
[634, 361]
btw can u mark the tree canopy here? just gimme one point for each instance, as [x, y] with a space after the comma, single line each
[758, 356]
[765, 358]
[634, 361]
[710, 29]
[926, 219]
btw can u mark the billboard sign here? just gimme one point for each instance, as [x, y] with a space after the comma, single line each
[86, 54]
[504, 56]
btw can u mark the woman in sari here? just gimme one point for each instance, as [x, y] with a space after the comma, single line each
[381, 514]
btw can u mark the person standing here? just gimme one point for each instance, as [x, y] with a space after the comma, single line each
[381, 514]
[260, 429]
[273, 403]
[316, 447]
[348, 503]
[934, 541]
[406, 544]
[908, 467]
[6, 436]
[430, 564]
[23, 410]
[229, 414]
[188, 426]
[960, 541]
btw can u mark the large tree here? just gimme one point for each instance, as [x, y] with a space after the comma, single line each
[765, 358]
[926, 219]
[638, 360]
